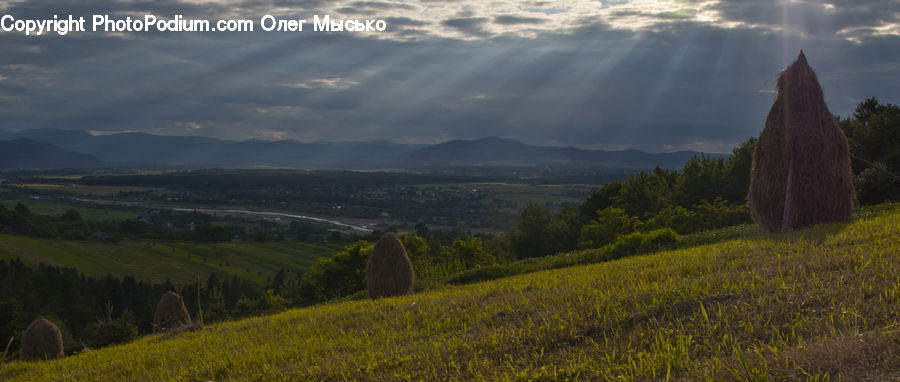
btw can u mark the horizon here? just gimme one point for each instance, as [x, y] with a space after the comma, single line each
[108, 133]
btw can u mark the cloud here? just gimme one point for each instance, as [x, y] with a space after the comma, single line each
[325, 83]
[515, 20]
[645, 74]
[406, 21]
[469, 26]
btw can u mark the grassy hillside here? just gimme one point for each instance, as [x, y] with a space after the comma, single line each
[158, 261]
[819, 303]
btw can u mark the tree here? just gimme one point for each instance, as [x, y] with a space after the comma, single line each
[530, 238]
[342, 275]
[646, 193]
[701, 179]
[470, 251]
[737, 172]
[71, 215]
[609, 224]
[602, 198]
[564, 229]
[873, 132]
[22, 210]
[417, 247]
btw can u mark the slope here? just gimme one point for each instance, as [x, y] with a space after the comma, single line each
[158, 261]
[821, 302]
[26, 153]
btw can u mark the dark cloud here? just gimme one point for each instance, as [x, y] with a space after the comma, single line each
[473, 26]
[381, 5]
[821, 19]
[514, 20]
[406, 21]
[679, 84]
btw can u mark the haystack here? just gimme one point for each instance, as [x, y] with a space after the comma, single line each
[801, 166]
[171, 314]
[41, 340]
[389, 271]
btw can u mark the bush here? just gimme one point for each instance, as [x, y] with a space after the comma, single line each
[609, 224]
[625, 245]
[658, 240]
[702, 216]
[111, 331]
[641, 242]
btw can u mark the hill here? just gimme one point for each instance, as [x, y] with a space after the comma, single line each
[818, 303]
[493, 151]
[140, 149]
[27, 153]
[159, 261]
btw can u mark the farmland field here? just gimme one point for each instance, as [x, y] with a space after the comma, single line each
[158, 261]
[52, 208]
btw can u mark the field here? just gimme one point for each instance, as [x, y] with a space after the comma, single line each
[80, 189]
[158, 261]
[40, 207]
[819, 304]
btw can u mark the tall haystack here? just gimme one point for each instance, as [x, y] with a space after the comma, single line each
[801, 166]
[389, 271]
[41, 340]
[171, 314]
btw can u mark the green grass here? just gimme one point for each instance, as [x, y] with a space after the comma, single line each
[39, 207]
[158, 261]
[817, 304]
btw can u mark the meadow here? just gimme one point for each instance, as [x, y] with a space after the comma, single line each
[816, 304]
[51, 208]
[177, 261]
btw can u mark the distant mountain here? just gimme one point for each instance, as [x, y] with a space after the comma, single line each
[493, 151]
[25, 153]
[140, 149]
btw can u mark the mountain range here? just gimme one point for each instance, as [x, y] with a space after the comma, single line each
[24, 153]
[61, 148]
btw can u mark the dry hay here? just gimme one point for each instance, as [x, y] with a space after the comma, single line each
[389, 271]
[171, 314]
[801, 165]
[41, 340]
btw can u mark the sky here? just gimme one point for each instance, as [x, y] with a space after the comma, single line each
[658, 76]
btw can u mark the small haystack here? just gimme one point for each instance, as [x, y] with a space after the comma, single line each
[389, 271]
[41, 340]
[801, 166]
[171, 314]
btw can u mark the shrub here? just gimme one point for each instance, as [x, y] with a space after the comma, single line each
[658, 240]
[111, 331]
[641, 242]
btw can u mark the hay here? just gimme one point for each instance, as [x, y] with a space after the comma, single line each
[171, 314]
[389, 271]
[41, 340]
[801, 165]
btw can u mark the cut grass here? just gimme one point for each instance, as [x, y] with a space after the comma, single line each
[158, 261]
[815, 304]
